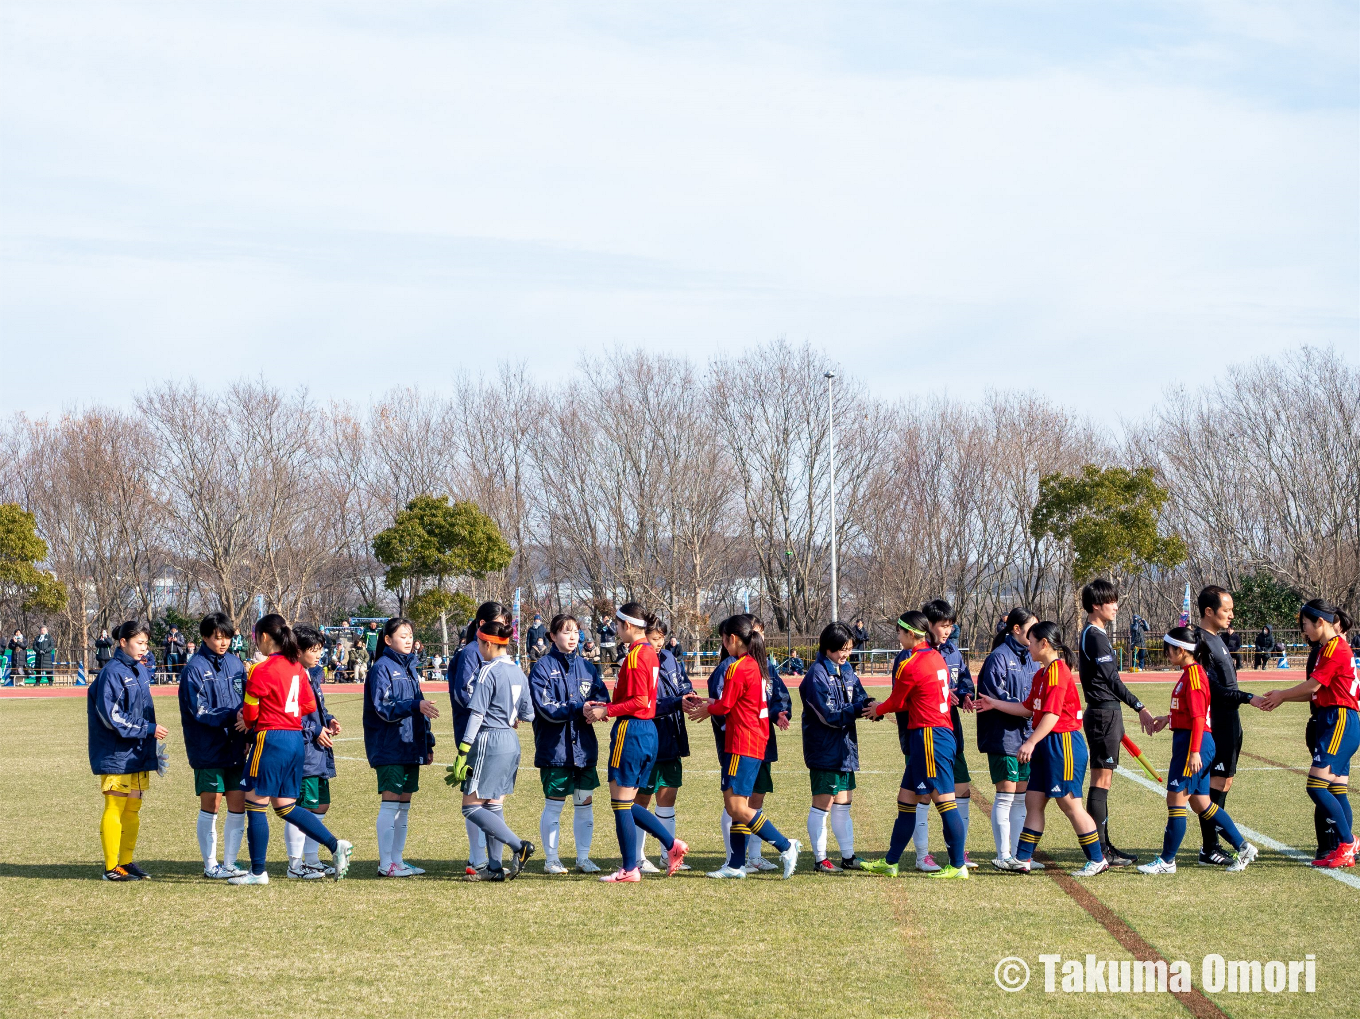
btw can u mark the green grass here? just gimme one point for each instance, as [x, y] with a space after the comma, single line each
[848, 946]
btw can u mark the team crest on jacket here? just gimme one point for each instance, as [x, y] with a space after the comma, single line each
[585, 687]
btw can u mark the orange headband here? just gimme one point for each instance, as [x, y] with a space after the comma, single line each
[483, 635]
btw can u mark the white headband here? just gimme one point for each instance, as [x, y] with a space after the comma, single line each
[1178, 643]
[629, 619]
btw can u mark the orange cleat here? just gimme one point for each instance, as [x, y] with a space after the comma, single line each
[622, 876]
[676, 856]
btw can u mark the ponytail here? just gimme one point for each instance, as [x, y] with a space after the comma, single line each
[1015, 617]
[1320, 610]
[742, 626]
[280, 633]
[636, 611]
[1052, 633]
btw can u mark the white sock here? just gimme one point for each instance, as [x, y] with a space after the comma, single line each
[844, 829]
[399, 831]
[641, 841]
[964, 805]
[207, 839]
[666, 815]
[387, 820]
[817, 833]
[920, 836]
[1001, 823]
[550, 827]
[1017, 821]
[583, 829]
[232, 834]
[311, 850]
[293, 838]
[476, 844]
[726, 824]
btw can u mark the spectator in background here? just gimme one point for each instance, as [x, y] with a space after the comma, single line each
[339, 660]
[175, 656]
[1265, 643]
[149, 660]
[103, 649]
[590, 652]
[44, 657]
[371, 641]
[673, 646]
[861, 635]
[359, 657]
[1138, 631]
[191, 649]
[419, 661]
[537, 637]
[1232, 640]
[18, 656]
[238, 646]
[607, 644]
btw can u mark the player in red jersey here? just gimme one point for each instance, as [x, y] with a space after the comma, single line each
[632, 746]
[1192, 758]
[1056, 750]
[278, 694]
[1332, 686]
[746, 734]
[921, 689]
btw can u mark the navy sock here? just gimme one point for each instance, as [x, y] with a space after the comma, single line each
[1090, 845]
[1176, 820]
[1207, 829]
[1029, 842]
[953, 831]
[1322, 828]
[737, 837]
[1223, 823]
[648, 821]
[1340, 791]
[257, 835]
[762, 827]
[626, 828]
[310, 824]
[902, 830]
[1320, 794]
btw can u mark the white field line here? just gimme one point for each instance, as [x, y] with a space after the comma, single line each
[1255, 836]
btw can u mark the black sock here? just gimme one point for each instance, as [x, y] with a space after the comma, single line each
[1325, 827]
[1207, 829]
[1097, 805]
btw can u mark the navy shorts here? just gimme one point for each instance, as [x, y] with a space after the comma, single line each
[1338, 738]
[1178, 777]
[930, 765]
[1058, 767]
[739, 773]
[632, 752]
[274, 764]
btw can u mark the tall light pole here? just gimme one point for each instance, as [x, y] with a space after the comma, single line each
[831, 431]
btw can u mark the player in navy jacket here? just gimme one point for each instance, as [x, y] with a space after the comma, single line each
[565, 747]
[833, 698]
[319, 727]
[397, 739]
[1007, 675]
[212, 688]
[463, 669]
[672, 741]
[122, 738]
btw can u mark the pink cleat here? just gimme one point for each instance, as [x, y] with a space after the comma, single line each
[622, 876]
[676, 856]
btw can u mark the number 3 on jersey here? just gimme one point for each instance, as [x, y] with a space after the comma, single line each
[943, 676]
[290, 705]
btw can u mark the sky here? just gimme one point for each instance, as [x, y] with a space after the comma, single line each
[1094, 201]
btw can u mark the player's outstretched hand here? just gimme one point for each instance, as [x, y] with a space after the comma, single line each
[429, 709]
[1147, 721]
[868, 710]
[968, 704]
[1160, 723]
[1268, 701]
[984, 703]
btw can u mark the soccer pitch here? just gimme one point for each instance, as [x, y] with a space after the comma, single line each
[844, 946]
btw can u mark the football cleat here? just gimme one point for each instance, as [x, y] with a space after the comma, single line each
[1242, 858]
[879, 867]
[553, 866]
[219, 873]
[851, 863]
[1118, 858]
[927, 863]
[325, 871]
[967, 862]
[340, 858]
[1092, 868]
[118, 874]
[755, 864]
[231, 870]
[1002, 862]
[417, 871]
[1157, 866]
[727, 872]
[1215, 858]
[587, 866]
[250, 879]
[136, 872]
[485, 874]
[1019, 866]
[622, 876]
[391, 870]
[1034, 864]
[519, 858]
[825, 867]
[302, 871]
[648, 867]
[789, 858]
[675, 856]
[951, 873]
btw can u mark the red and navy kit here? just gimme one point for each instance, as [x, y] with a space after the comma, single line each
[1337, 719]
[921, 690]
[1190, 733]
[747, 729]
[632, 744]
[278, 695]
[1058, 767]
[1054, 692]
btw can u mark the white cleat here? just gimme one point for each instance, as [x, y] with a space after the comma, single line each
[789, 858]
[725, 872]
[1092, 868]
[250, 879]
[927, 863]
[395, 870]
[754, 864]
[217, 872]
[1157, 866]
[1242, 857]
[300, 870]
[340, 858]
[1003, 862]
[417, 871]
[552, 865]
[1034, 864]
[648, 867]
[587, 866]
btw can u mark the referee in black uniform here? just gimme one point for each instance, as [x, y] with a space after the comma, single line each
[1103, 721]
[1215, 613]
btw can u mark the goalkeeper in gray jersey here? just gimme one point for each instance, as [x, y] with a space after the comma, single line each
[488, 756]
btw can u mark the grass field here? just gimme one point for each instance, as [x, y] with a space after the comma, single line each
[845, 946]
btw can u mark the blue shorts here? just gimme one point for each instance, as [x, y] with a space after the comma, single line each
[1058, 767]
[632, 752]
[274, 764]
[1338, 739]
[1178, 780]
[930, 765]
[739, 773]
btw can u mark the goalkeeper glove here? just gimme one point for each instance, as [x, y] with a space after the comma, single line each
[162, 758]
[458, 770]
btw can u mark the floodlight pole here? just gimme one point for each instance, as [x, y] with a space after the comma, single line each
[831, 430]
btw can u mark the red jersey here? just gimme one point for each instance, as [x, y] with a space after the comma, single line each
[748, 713]
[1190, 704]
[278, 694]
[635, 689]
[1335, 671]
[1054, 692]
[921, 688]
